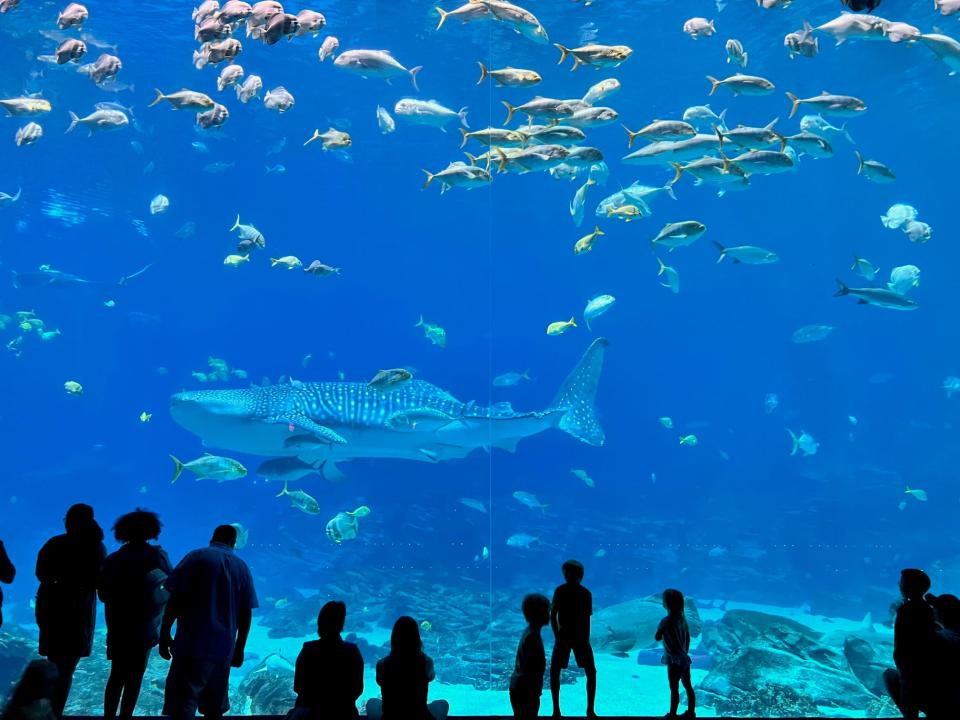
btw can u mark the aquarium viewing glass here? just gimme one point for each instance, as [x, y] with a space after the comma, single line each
[625, 347]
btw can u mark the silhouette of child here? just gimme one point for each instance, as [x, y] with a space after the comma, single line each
[526, 683]
[570, 620]
[675, 634]
[914, 643]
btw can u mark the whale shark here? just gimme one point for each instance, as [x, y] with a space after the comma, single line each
[330, 422]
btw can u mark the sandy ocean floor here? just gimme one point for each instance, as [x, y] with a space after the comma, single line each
[624, 686]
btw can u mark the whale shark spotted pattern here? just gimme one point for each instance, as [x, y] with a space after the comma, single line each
[349, 420]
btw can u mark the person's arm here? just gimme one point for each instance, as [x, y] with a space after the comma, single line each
[659, 635]
[431, 671]
[7, 570]
[166, 626]
[244, 619]
[536, 656]
[104, 583]
[589, 611]
[44, 569]
[299, 676]
[355, 675]
[554, 622]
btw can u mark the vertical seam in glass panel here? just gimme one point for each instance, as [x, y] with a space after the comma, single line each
[490, 324]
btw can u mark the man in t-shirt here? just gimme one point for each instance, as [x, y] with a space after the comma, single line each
[211, 600]
[570, 620]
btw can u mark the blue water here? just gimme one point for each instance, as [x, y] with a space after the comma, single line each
[735, 518]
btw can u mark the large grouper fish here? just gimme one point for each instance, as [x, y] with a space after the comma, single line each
[330, 422]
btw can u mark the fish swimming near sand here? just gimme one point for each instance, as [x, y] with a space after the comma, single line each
[416, 421]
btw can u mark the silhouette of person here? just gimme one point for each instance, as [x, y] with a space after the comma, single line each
[404, 677]
[861, 5]
[946, 690]
[212, 598]
[914, 636]
[131, 590]
[570, 619]
[66, 606]
[526, 682]
[30, 699]
[329, 677]
[675, 635]
[7, 573]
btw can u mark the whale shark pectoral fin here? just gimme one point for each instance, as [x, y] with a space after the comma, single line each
[301, 421]
[508, 444]
[577, 395]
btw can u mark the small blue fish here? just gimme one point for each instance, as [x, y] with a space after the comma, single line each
[511, 379]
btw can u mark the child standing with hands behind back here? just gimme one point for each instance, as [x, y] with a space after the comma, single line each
[675, 634]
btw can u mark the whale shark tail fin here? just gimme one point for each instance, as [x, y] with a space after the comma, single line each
[578, 394]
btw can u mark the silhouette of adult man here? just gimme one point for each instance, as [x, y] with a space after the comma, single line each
[329, 677]
[404, 677]
[212, 598]
[131, 589]
[7, 573]
[914, 638]
[66, 610]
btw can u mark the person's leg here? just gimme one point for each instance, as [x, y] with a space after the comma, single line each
[214, 701]
[111, 693]
[439, 709]
[516, 704]
[182, 689]
[558, 660]
[891, 680]
[66, 666]
[374, 709]
[688, 688]
[136, 667]
[584, 657]
[673, 677]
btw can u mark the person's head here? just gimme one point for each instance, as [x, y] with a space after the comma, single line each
[79, 522]
[673, 601]
[137, 526]
[36, 683]
[225, 535]
[572, 571]
[405, 638]
[861, 5]
[536, 609]
[914, 583]
[331, 619]
[947, 610]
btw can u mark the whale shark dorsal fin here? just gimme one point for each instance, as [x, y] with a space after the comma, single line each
[577, 394]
